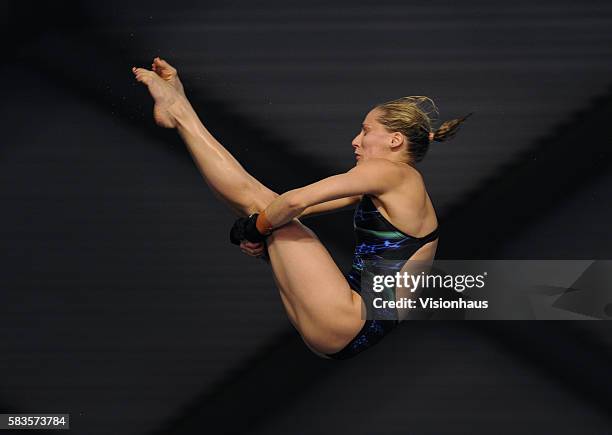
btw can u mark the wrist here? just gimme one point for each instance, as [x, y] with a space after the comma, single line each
[262, 224]
[251, 233]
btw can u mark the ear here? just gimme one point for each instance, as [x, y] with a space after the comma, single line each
[397, 139]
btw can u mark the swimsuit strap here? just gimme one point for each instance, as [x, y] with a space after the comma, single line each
[425, 239]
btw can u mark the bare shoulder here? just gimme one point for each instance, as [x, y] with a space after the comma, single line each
[407, 205]
[382, 177]
[380, 168]
[410, 183]
[411, 174]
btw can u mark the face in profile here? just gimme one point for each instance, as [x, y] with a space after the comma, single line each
[373, 140]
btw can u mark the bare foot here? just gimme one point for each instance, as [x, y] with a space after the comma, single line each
[167, 98]
[168, 73]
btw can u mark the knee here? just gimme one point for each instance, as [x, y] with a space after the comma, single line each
[294, 230]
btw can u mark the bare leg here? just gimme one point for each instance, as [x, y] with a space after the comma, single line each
[328, 313]
[222, 172]
[319, 302]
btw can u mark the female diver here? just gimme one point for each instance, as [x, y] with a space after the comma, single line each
[394, 217]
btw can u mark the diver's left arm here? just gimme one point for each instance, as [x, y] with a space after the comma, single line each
[374, 177]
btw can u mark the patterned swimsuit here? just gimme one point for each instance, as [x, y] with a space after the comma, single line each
[376, 239]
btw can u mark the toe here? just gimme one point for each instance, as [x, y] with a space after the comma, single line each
[166, 64]
[143, 76]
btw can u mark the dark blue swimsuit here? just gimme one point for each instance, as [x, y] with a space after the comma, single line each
[376, 239]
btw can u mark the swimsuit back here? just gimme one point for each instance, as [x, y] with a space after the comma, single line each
[377, 239]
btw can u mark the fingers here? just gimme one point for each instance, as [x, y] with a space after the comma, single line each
[248, 250]
[253, 249]
[252, 252]
[249, 244]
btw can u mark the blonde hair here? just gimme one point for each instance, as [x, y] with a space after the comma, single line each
[408, 117]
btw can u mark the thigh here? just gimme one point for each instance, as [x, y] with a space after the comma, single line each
[327, 312]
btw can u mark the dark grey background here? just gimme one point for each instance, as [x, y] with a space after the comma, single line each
[122, 302]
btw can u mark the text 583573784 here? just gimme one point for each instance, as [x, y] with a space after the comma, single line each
[34, 421]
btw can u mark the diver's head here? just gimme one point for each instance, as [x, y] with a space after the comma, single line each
[401, 130]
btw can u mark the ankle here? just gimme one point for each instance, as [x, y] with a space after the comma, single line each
[183, 112]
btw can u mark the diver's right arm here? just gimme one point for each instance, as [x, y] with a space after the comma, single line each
[329, 206]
